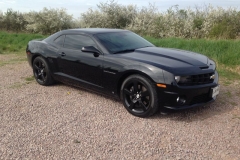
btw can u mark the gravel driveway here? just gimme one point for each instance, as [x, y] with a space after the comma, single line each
[62, 122]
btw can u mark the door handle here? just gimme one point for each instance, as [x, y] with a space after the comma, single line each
[62, 54]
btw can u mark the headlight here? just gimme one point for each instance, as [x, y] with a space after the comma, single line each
[177, 78]
[182, 79]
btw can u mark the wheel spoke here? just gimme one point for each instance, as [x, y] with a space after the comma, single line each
[143, 106]
[36, 67]
[38, 74]
[144, 99]
[132, 105]
[135, 85]
[127, 92]
[145, 93]
[43, 78]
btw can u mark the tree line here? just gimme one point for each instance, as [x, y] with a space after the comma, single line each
[198, 22]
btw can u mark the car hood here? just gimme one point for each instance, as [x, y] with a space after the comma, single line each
[168, 59]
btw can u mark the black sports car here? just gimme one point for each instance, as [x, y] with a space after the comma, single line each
[122, 64]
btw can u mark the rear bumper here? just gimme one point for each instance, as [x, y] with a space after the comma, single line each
[193, 96]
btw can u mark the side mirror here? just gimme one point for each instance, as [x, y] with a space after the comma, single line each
[91, 49]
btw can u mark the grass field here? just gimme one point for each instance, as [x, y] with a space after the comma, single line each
[15, 42]
[225, 52]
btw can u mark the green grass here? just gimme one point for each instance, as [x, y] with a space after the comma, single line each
[15, 42]
[27, 81]
[30, 79]
[225, 52]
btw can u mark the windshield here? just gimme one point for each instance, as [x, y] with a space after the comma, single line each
[115, 42]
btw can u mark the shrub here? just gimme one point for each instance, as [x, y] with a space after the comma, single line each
[201, 22]
[48, 21]
[109, 15]
[12, 21]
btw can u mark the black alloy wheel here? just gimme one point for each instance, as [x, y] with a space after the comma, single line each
[41, 71]
[139, 96]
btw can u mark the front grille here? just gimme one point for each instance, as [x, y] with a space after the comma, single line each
[201, 99]
[197, 79]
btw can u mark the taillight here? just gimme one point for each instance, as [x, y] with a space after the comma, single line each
[28, 52]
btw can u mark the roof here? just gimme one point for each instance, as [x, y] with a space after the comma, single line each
[94, 30]
[89, 31]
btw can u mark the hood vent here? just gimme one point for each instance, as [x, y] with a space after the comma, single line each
[205, 67]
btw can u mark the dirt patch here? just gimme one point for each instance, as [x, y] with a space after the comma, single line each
[62, 122]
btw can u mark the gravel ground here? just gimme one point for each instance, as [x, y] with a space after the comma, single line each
[62, 122]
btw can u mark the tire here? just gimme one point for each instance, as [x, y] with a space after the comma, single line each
[41, 72]
[139, 96]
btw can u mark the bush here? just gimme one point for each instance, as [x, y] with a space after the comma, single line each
[12, 21]
[48, 21]
[201, 22]
[109, 15]
[143, 21]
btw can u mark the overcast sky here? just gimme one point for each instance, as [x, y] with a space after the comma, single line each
[76, 7]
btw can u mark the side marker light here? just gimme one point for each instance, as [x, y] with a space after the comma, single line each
[162, 85]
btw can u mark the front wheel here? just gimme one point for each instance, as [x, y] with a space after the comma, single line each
[41, 72]
[139, 96]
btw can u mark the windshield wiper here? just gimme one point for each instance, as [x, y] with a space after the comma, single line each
[125, 50]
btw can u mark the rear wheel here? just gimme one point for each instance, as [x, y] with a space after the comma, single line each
[139, 96]
[41, 72]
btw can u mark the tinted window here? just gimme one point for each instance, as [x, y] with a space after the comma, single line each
[78, 41]
[117, 41]
[60, 40]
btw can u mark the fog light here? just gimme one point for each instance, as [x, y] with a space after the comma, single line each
[181, 101]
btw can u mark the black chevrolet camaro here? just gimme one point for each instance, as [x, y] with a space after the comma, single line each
[122, 64]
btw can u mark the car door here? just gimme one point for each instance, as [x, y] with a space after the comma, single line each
[82, 67]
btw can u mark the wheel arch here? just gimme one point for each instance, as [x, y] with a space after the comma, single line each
[129, 73]
[37, 55]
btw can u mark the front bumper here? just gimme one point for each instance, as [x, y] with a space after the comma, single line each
[194, 96]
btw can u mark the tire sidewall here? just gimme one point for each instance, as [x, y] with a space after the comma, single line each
[153, 101]
[48, 79]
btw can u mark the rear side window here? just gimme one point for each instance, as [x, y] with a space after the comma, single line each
[59, 41]
[78, 41]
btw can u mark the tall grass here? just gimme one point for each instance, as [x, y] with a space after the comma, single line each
[226, 52]
[15, 42]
